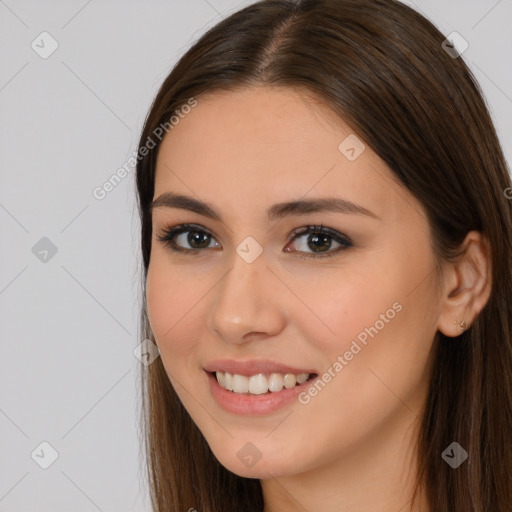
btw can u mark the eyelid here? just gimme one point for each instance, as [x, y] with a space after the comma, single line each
[340, 238]
[168, 234]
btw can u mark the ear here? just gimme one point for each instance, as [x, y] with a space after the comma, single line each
[466, 285]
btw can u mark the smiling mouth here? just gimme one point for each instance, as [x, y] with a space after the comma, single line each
[261, 383]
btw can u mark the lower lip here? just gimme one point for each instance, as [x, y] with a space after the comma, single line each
[255, 404]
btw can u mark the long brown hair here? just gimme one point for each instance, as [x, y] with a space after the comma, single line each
[381, 66]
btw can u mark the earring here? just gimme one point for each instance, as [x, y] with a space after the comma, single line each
[462, 324]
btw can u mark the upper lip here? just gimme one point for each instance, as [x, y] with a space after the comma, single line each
[252, 367]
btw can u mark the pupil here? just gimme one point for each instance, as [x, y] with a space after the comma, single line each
[319, 238]
[195, 236]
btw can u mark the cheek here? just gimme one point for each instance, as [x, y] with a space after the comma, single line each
[372, 312]
[338, 303]
[173, 303]
[384, 333]
[159, 298]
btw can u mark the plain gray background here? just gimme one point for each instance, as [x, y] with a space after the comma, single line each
[68, 375]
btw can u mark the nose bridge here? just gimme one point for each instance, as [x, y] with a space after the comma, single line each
[242, 303]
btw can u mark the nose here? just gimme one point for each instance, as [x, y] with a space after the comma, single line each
[248, 302]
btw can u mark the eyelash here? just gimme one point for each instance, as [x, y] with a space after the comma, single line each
[169, 233]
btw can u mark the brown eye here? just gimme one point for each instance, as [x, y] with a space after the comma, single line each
[319, 240]
[195, 237]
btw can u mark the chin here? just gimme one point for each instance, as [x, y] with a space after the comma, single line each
[263, 468]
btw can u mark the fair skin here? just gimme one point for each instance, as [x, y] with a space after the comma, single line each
[351, 448]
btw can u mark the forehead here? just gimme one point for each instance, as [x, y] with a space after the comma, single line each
[263, 115]
[246, 149]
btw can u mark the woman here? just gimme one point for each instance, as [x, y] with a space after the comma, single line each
[326, 242]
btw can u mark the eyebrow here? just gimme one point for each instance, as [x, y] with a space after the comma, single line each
[276, 211]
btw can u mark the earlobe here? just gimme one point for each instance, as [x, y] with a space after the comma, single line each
[467, 286]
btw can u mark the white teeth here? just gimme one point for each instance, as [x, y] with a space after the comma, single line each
[259, 384]
[228, 381]
[302, 377]
[275, 382]
[221, 379]
[240, 384]
[289, 380]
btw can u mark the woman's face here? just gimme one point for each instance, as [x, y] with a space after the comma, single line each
[255, 291]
